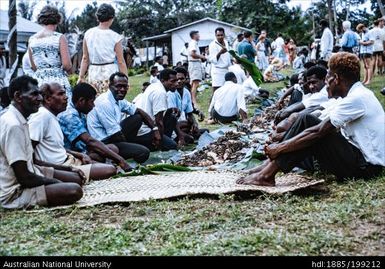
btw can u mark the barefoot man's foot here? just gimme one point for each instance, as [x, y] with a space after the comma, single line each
[256, 179]
[264, 177]
[257, 169]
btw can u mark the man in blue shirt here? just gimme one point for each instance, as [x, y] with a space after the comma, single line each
[246, 47]
[186, 128]
[349, 38]
[73, 123]
[105, 122]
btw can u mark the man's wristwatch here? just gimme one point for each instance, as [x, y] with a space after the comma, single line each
[155, 128]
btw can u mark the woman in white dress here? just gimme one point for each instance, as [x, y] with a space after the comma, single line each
[262, 60]
[102, 51]
[48, 51]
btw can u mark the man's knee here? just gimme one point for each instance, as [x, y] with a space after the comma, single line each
[143, 155]
[74, 191]
[113, 148]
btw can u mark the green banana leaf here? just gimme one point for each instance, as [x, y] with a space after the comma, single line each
[151, 170]
[253, 70]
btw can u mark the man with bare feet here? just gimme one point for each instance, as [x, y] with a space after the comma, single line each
[348, 144]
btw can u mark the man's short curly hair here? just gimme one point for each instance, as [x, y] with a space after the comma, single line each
[49, 15]
[346, 65]
[105, 12]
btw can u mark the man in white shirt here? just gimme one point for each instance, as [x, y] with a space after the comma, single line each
[159, 63]
[48, 140]
[154, 103]
[22, 183]
[184, 54]
[195, 65]
[349, 143]
[239, 72]
[315, 78]
[228, 102]
[219, 57]
[326, 41]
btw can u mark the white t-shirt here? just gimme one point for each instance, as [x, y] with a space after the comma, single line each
[379, 38]
[193, 45]
[228, 100]
[361, 119]
[153, 101]
[44, 128]
[326, 44]
[160, 67]
[101, 44]
[250, 88]
[317, 98]
[239, 73]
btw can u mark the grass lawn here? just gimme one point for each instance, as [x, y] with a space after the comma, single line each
[339, 219]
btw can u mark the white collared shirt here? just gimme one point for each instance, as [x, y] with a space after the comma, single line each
[316, 99]
[193, 46]
[224, 60]
[361, 119]
[153, 101]
[228, 100]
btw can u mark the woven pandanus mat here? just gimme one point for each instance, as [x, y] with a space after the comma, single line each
[141, 188]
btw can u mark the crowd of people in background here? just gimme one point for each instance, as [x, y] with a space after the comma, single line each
[55, 138]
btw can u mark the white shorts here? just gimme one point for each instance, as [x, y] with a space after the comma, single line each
[195, 70]
[218, 76]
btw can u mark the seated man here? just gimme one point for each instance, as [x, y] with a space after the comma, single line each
[186, 128]
[106, 124]
[315, 78]
[154, 103]
[138, 98]
[228, 101]
[154, 73]
[73, 123]
[48, 140]
[349, 143]
[22, 183]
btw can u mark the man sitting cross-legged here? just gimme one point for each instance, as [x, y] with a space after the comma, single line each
[349, 143]
[186, 128]
[154, 103]
[73, 123]
[48, 140]
[228, 101]
[105, 122]
[22, 183]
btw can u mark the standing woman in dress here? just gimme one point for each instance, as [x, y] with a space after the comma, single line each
[102, 51]
[48, 51]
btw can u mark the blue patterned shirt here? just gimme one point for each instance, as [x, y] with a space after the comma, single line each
[73, 124]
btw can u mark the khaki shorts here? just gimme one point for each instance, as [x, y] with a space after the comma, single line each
[26, 198]
[74, 162]
[195, 71]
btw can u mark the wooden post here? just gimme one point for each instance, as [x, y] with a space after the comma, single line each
[147, 54]
[12, 38]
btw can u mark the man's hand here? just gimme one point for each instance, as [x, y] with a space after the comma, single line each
[80, 173]
[124, 165]
[222, 51]
[81, 80]
[280, 103]
[86, 159]
[272, 151]
[156, 139]
[181, 141]
[194, 129]
[281, 115]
